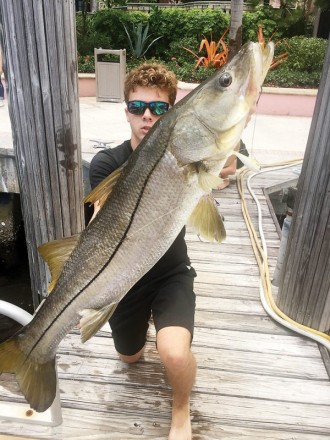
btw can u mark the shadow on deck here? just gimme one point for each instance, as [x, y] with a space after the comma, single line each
[255, 380]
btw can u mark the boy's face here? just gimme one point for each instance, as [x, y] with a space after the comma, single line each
[141, 124]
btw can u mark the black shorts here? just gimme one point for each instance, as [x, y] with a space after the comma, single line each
[170, 299]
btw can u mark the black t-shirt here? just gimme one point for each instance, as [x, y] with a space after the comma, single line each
[106, 162]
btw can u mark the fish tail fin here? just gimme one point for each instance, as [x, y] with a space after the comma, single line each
[37, 381]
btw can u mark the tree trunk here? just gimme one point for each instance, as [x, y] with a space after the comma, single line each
[304, 291]
[39, 45]
[235, 32]
[94, 5]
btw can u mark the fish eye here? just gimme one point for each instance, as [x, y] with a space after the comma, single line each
[225, 79]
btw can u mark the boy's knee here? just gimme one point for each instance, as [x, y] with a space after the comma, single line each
[133, 358]
[175, 361]
[174, 350]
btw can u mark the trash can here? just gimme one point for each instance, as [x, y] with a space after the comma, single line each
[110, 75]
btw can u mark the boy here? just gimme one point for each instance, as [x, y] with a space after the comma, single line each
[166, 291]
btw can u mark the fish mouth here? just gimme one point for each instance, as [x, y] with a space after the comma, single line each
[260, 59]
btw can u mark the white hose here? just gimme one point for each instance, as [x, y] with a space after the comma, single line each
[16, 313]
[267, 307]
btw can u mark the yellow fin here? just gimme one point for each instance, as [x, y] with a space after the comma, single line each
[92, 320]
[248, 162]
[104, 189]
[207, 221]
[208, 181]
[37, 381]
[56, 253]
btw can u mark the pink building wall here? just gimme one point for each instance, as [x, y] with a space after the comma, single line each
[273, 101]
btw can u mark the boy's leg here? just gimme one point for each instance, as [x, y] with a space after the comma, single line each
[173, 310]
[173, 344]
[129, 325]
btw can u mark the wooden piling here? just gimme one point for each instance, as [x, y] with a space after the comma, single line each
[39, 46]
[304, 291]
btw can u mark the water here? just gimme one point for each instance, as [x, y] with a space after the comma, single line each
[15, 286]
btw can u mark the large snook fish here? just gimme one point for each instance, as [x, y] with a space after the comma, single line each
[145, 205]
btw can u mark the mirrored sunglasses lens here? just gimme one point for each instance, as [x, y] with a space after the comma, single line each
[158, 108]
[136, 107]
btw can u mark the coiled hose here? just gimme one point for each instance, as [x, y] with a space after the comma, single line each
[260, 251]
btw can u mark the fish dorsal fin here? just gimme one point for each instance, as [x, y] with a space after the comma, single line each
[92, 320]
[104, 189]
[248, 162]
[207, 221]
[208, 181]
[56, 253]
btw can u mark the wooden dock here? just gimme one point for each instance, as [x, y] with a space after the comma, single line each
[255, 380]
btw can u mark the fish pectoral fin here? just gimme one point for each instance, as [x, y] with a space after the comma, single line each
[248, 162]
[207, 221]
[208, 181]
[92, 320]
[37, 381]
[104, 189]
[56, 253]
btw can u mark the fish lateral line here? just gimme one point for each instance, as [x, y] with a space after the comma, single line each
[101, 270]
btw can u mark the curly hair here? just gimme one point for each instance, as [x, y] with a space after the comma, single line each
[152, 75]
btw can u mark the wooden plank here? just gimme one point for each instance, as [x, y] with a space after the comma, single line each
[221, 381]
[11, 437]
[287, 344]
[226, 268]
[82, 424]
[212, 406]
[211, 358]
[227, 279]
[230, 305]
[213, 290]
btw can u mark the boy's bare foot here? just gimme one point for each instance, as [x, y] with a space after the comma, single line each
[181, 424]
[224, 184]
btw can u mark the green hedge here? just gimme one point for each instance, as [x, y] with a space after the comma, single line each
[281, 23]
[177, 25]
[304, 65]
[105, 27]
[185, 28]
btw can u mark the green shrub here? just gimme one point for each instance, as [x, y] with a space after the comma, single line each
[180, 28]
[106, 27]
[110, 24]
[139, 39]
[284, 77]
[265, 16]
[86, 64]
[283, 23]
[88, 37]
[305, 54]
[304, 65]
[176, 24]
[187, 72]
[176, 51]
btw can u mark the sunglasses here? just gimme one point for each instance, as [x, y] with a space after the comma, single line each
[139, 107]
